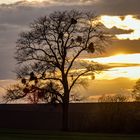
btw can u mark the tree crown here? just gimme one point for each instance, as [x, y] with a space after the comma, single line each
[49, 50]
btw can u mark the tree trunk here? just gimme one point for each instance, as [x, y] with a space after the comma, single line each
[65, 116]
[65, 103]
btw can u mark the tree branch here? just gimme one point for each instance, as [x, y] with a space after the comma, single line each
[51, 78]
[74, 81]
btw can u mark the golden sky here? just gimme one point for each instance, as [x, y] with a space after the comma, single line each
[120, 65]
[121, 17]
[127, 23]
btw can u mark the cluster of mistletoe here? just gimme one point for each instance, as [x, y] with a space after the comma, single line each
[34, 90]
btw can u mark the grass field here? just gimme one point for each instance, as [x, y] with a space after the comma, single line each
[42, 135]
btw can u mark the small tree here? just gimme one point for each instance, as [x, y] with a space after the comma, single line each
[136, 91]
[47, 55]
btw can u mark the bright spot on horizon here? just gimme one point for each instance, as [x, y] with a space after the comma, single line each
[129, 22]
[126, 68]
[118, 58]
[132, 73]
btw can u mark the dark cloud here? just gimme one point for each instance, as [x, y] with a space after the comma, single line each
[118, 7]
[119, 65]
[123, 46]
[23, 12]
[115, 31]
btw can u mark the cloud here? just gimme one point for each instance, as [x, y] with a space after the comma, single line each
[123, 46]
[118, 7]
[110, 7]
[119, 65]
[119, 58]
[115, 30]
[128, 23]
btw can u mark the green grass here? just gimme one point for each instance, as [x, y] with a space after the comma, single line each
[45, 135]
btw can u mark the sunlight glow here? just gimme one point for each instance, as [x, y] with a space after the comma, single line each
[125, 66]
[127, 23]
[113, 73]
[119, 58]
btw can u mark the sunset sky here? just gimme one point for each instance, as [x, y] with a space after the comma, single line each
[120, 17]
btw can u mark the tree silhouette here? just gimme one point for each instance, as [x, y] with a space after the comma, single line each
[113, 98]
[48, 54]
[136, 91]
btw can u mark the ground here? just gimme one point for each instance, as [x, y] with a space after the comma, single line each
[45, 135]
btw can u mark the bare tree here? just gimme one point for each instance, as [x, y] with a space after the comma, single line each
[47, 55]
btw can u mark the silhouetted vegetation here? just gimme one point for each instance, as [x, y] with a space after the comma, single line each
[113, 98]
[47, 56]
[136, 91]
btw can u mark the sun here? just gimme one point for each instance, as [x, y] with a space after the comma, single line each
[119, 54]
